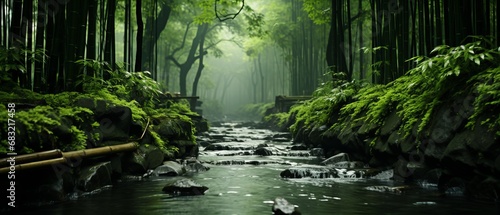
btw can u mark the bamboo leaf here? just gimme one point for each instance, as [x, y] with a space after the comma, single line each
[477, 61]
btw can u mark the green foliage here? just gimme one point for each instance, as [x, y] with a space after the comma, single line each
[255, 22]
[39, 119]
[318, 11]
[159, 142]
[453, 71]
[128, 85]
[488, 100]
[79, 140]
[437, 79]
[17, 92]
[279, 119]
[13, 59]
[79, 114]
[63, 99]
[326, 99]
[138, 114]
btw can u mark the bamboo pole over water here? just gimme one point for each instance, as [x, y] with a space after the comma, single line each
[39, 159]
[33, 157]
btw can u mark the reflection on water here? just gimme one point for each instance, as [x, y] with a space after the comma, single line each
[248, 189]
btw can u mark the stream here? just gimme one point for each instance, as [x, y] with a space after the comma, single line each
[242, 183]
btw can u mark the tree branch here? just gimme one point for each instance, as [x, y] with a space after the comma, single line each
[183, 40]
[199, 56]
[230, 15]
[170, 57]
[222, 40]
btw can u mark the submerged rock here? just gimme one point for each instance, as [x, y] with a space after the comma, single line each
[282, 207]
[196, 167]
[298, 147]
[387, 189]
[95, 177]
[169, 168]
[318, 152]
[231, 146]
[348, 165]
[336, 158]
[264, 151]
[185, 187]
[310, 171]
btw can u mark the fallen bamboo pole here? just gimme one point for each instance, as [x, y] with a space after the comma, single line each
[36, 160]
[100, 151]
[56, 153]
[36, 164]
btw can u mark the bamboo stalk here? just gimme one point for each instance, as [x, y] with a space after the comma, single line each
[32, 165]
[40, 159]
[100, 151]
[33, 157]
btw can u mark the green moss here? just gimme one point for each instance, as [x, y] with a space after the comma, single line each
[138, 114]
[79, 140]
[160, 143]
[326, 100]
[39, 119]
[454, 73]
[487, 102]
[79, 114]
[279, 119]
[63, 99]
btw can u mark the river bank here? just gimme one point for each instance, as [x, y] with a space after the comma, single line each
[241, 182]
[438, 122]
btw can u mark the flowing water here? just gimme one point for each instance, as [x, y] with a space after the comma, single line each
[251, 189]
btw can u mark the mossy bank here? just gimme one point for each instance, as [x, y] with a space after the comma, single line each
[441, 117]
[106, 113]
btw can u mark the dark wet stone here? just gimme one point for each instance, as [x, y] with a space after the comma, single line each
[312, 172]
[457, 153]
[153, 156]
[348, 164]
[390, 125]
[282, 207]
[263, 151]
[319, 152]
[95, 176]
[336, 158]
[230, 146]
[134, 163]
[281, 139]
[204, 143]
[169, 168]
[387, 189]
[294, 153]
[115, 123]
[196, 167]
[299, 147]
[262, 145]
[185, 187]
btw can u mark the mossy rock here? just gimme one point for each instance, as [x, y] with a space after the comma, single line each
[482, 139]
[458, 152]
[95, 176]
[408, 145]
[174, 129]
[367, 129]
[391, 124]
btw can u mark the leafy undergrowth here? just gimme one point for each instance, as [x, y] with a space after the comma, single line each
[61, 124]
[453, 73]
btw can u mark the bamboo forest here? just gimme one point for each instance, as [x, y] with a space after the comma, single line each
[252, 107]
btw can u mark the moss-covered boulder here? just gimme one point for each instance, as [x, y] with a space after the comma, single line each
[95, 176]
